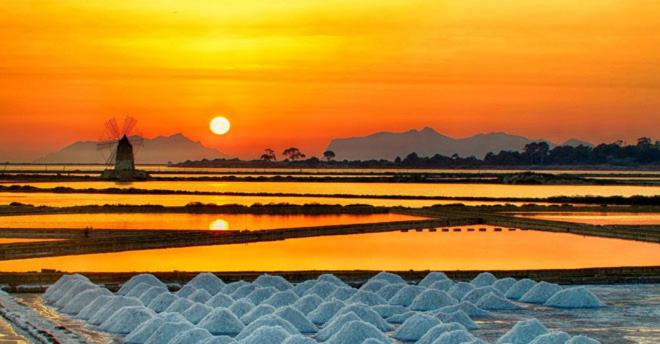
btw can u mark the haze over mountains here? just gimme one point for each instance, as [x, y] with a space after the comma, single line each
[157, 150]
[428, 142]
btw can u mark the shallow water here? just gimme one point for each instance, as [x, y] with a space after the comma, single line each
[599, 218]
[490, 250]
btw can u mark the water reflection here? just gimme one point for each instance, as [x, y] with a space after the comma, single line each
[219, 225]
[604, 218]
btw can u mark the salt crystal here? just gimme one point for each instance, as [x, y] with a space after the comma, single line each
[504, 284]
[553, 337]
[282, 298]
[207, 281]
[167, 331]
[111, 307]
[460, 289]
[475, 294]
[307, 303]
[220, 300]
[438, 330]
[137, 279]
[518, 289]
[196, 312]
[387, 277]
[127, 319]
[194, 335]
[431, 278]
[454, 337]
[200, 296]
[221, 321]
[229, 288]
[523, 332]
[161, 302]
[415, 327]
[493, 302]
[442, 285]
[468, 308]
[266, 335]
[256, 313]
[261, 294]
[325, 311]
[83, 299]
[357, 332]
[322, 289]
[582, 340]
[367, 298]
[406, 295]
[431, 299]
[180, 305]
[277, 282]
[343, 293]
[576, 297]
[373, 286]
[459, 317]
[335, 325]
[483, 279]
[540, 293]
[268, 320]
[152, 293]
[241, 307]
[297, 319]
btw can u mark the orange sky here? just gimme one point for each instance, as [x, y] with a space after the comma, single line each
[303, 72]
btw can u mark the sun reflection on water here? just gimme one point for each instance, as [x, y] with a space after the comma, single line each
[219, 225]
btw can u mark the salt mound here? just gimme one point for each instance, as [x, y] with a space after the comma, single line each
[220, 300]
[229, 288]
[83, 299]
[325, 311]
[241, 307]
[415, 327]
[387, 277]
[459, 317]
[92, 308]
[468, 308]
[259, 295]
[540, 293]
[195, 335]
[367, 298]
[111, 307]
[282, 298]
[432, 299]
[267, 335]
[167, 331]
[401, 317]
[459, 290]
[299, 339]
[137, 279]
[297, 319]
[493, 302]
[577, 297]
[332, 279]
[277, 282]
[180, 305]
[151, 294]
[582, 340]
[138, 290]
[335, 325]
[357, 332]
[200, 296]
[220, 340]
[302, 288]
[431, 278]
[519, 288]
[77, 287]
[504, 284]
[386, 311]
[343, 293]
[390, 290]
[257, 312]
[322, 289]
[186, 291]
[268, 320]
[483, 279]
[207, 281]
[553, 337]
[373, 286]
[221, 321]
[523, 332]
[442, 285]
[366, 314]
[127, 319]
[243, 291]
[455, 337]
[196, 312]
[141, 333]
[161, 302]
[475, 294]
[438, 330]
[57, 286]
[372, 341]
[406, 295]
[307, 303]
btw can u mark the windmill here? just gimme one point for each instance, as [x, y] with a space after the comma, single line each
[121, 154]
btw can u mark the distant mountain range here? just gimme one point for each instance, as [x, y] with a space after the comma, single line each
[157, 150]
[428, 142]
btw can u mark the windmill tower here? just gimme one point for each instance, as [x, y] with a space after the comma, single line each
[121, 159]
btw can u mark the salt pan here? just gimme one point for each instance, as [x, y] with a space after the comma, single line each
[540, 293]
[431, 299]
[553, 337]
[406, 295]
[387, 311]
[582, 340]
[268, 320]
[127, 319]
[519, 288]
[438, 330]
[523, 332]
[483, 279]
[307, 303]
[167, 331]
[137, 279]
[468, 308]
[277, 282]
[161, 302]
[195, 335]
[357, 332]
[493, 302]
[220, 300]
[459, 290]
[432, 277]
[207, 281]
[111, 307]
[415, 327]
[576, 297]
[221, 321]
[325, 311]
[83, 299]
[297, 319]
[196, 312]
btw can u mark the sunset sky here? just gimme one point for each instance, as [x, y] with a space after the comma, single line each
[303, 72]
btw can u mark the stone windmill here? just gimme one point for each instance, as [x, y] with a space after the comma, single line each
[121, 159]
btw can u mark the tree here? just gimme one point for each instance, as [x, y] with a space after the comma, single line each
[329, 155]
[293, 153]
[269, 155]
[537, 152]
[644, 142]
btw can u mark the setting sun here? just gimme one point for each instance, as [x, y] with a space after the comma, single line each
[220, 125]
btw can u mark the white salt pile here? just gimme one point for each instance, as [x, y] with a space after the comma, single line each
[494, 302]
[438, 330]
[518, 289]
[179, 305]
[401, 317]
[325, 311]
[259, 295]
[303, 287]
[460, 289]
[266, 335]
[168, 330]
[76, 288]
[431, 278]
[277, 282]
[442, 285]
[357, 332]
[415, 327]
[366, 314]
[256, 313]
[483, 279]
[459, 317]
[307, 303]
[282, 298]
[161, 302]
[386, 311]
[582, 340]
[127, 319]
[299, 339]
[151, 294]
[468, 308]
[229, 288]
[268, 320]
[207, 281]
[58, 286]
[297, 319]
[141, 333]
[243, 291]
[387, 277]
[241, 307]
[220, 300]
[523, 332]
[186, 291]
[138, 290]
[372, 341]
[406, 295]
[137, 279]
[504, 284]
[111, 307]
[343, 293]
[335, 325]
[220, 340]
[431, 299]
[389, 291]
[322, 289]
[92, 308]
[576, 297]
[540, 293]
[195, 335]
[83, 299]
[367, 298]
[373, 286]
[475, 294]
[455, 337]
[553, 337]
[332, 279]
[221, 321]
[196, 312]
[200, 296]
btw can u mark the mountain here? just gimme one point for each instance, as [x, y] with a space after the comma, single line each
[157, 150]
[576, 143]
[425, 142]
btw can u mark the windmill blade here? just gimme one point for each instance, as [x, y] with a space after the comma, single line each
[101, 145]
[113, 129]
[129, 125]
[111, 158]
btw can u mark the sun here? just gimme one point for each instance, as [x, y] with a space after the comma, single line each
[220, 125]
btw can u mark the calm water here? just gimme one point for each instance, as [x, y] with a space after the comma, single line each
[381, 251]
[600, 218]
